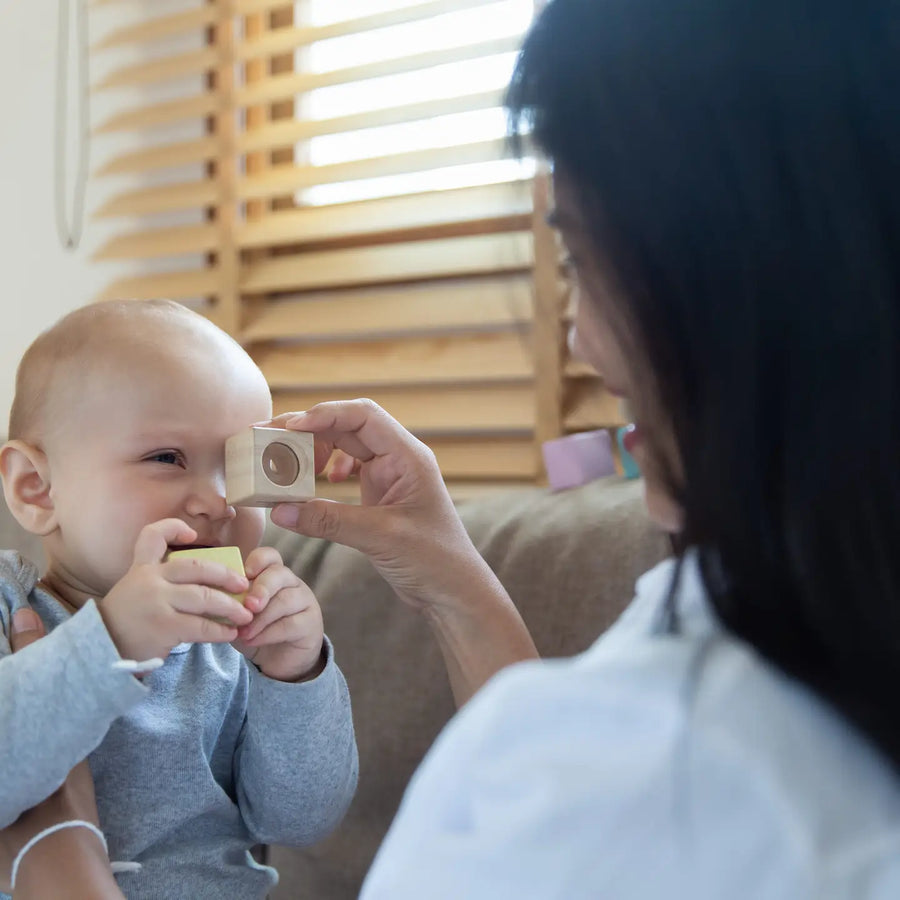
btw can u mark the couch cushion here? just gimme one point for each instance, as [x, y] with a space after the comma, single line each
[569, 561]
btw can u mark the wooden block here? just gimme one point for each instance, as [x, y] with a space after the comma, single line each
[230, 557]
[265, 466]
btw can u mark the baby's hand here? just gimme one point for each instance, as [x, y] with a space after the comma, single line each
[158, 604]
[285, 638]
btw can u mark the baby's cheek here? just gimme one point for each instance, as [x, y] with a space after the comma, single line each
[249, 525]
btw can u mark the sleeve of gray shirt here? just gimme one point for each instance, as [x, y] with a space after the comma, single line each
[58, 698]
[296, 763]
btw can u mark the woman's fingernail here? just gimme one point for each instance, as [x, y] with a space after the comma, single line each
[286, 515]
[25, 620]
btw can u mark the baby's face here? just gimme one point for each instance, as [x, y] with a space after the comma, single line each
[145, 441]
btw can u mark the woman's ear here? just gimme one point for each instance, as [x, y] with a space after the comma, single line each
[26, 486]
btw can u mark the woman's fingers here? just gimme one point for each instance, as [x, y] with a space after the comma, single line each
[358, 427]
[344, 523]
[382, 450]
[402, 494]
[343, 466]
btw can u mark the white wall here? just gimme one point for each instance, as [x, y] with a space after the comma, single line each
[39, 280]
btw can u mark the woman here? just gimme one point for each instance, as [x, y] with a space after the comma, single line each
[726, 183]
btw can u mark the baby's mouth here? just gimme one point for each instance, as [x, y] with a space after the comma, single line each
[196, 546]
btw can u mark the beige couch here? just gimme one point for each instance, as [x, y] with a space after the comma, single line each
[569, 560]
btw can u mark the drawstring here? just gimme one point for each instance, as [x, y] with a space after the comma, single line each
[133, 666]
[116, 867]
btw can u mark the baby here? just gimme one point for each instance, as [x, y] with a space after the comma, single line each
[244, 735]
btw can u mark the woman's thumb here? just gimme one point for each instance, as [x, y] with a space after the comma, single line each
[27, 627]
[326, 519]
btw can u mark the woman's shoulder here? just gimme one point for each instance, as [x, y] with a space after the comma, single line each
[698, 734]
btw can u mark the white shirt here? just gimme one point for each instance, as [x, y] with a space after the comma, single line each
[670, 766]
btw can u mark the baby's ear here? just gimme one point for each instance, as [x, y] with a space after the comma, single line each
[26, 486]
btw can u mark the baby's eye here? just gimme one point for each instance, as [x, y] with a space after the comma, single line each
[167, 457]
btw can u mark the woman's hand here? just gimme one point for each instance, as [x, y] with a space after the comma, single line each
[408, 526]
[406, 523]
[71, 862]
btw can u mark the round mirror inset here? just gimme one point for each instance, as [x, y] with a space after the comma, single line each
[280, 464]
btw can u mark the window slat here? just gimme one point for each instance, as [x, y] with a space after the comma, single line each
[433, 409]
[286, 39]
[469, 304]
[164, 156]
[284, 134]
[176, 285]
[452, 257]
[285, 179]
[165, 198]
[160, 242]
[281, 87]
[488, 458]
[161, 27]
[503, 203]
[361, 365]
[197, 107]
[167, 68]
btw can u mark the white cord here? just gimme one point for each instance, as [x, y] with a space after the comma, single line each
[117, 867]
[132, 665]
[70, 232]
[72, 823]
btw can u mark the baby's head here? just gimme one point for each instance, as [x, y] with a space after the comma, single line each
[120, 419]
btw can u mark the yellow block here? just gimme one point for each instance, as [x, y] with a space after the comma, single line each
[229, 557]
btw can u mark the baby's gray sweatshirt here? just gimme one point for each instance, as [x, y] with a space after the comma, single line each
[193, 764]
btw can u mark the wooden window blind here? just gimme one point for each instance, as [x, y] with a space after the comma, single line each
[347, 209]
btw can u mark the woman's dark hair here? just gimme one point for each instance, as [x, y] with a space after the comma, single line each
[738, 165]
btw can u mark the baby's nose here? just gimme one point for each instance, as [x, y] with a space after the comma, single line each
[208, 498]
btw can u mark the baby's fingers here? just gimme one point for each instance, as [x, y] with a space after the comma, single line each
[284, 603]
[188, 570]
[197, 600]
[301, 629]
[268, 583]
[261, 558]
[193, 629]
[155, 539]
